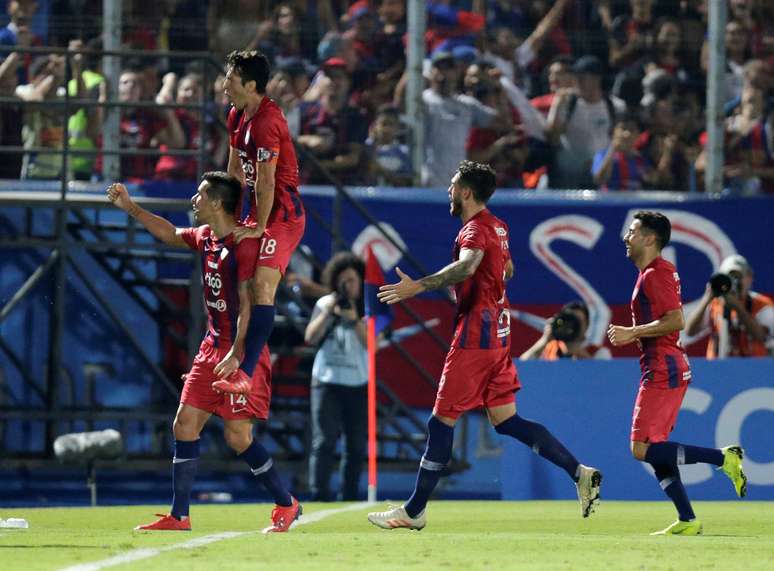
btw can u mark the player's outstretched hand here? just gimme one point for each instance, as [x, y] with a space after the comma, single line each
[119, 195]
[242, 232]
[404, 289]
[620, 335]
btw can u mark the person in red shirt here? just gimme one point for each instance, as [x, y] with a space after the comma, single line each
[479, 370]
[263, 158]
[227, 268]
[657, 319]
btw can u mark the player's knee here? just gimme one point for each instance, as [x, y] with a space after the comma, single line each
[184, 428]
[238, 440]
[639, 450]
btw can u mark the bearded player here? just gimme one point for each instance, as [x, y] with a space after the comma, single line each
[479, 370]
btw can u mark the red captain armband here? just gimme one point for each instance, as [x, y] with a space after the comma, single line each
[264, 155]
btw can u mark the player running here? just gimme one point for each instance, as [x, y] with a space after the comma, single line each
[657, 319]
[263, 158]
[478, 370]
[227, 269]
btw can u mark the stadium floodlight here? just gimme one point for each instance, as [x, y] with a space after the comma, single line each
[86, 448]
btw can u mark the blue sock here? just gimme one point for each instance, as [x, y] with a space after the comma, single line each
[184, 466]
[262, 467]
[542, 442]
[674, 453]
[258, 331]
[440, 440]
[669, 479]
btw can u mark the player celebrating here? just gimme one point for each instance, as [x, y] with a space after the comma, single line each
[478, 370]
[227, 268]
[657, 319]
[262, 157]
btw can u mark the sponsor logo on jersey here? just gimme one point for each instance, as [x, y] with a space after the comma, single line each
[214, 282]
[219, 305]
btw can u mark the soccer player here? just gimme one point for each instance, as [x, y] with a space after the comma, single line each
[262, 157]
[227, 269]
[657, 319]
[478, 370]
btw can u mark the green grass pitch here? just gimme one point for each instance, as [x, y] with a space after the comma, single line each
[459, 535]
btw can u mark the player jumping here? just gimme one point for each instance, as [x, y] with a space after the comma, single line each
[263, 158]
[657, 319]
[478, 370]
[227, 269]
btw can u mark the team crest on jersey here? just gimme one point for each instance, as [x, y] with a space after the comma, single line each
[223, 253]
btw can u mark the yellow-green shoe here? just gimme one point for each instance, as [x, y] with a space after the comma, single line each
[682, 528]
[732, 467]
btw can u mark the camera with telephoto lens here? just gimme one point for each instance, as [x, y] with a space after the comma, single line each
[566, 326]
[721, 284]
[342, 299]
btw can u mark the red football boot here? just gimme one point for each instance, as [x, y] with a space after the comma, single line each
[166, 522]
[237, 384]
[283, 517]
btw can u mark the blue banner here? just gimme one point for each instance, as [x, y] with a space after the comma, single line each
[588, 406]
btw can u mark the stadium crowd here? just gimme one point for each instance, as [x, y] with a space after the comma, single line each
[605, 94]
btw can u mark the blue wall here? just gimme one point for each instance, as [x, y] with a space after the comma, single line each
[588, 405]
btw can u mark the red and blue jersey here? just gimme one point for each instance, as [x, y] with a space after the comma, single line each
[483, 319]
[627, 173]
[224, 265]
[662, 360]
[264, 137]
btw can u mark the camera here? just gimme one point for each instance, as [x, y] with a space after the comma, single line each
[721, 284]
[566, 326]
[342, 299]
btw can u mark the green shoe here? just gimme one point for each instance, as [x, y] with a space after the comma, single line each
[682, 528]
[732, 467]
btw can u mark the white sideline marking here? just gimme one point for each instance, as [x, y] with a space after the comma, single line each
[145, 553]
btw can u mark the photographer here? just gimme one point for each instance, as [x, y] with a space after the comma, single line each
[339, 378]
[564, 337]
[740, 321]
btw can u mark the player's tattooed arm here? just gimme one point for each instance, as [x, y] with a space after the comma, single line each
[455, 272]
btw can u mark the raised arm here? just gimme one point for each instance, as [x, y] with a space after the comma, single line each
[161, 228]
[452, 274]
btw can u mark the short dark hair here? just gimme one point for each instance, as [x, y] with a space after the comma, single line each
[478, 177]
[252, 66]
[224, 187]
[337, 264]
[577, 305]
[657, 223]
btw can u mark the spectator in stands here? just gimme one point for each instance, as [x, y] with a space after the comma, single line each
[579, 124]
[18, 33]
[620, 166]
[285, 35]
[749, 143]
[87, 83]
[389, 159]
[560, 78]
[737, 53]
[43, 124]
[287, 87]
[449, 116]
[573, 343]
[187, 91]
[142, 128]
[740, 321]
[339, 378]
[333, 131]
[633, 35]
[502, 145]
[668, 143]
